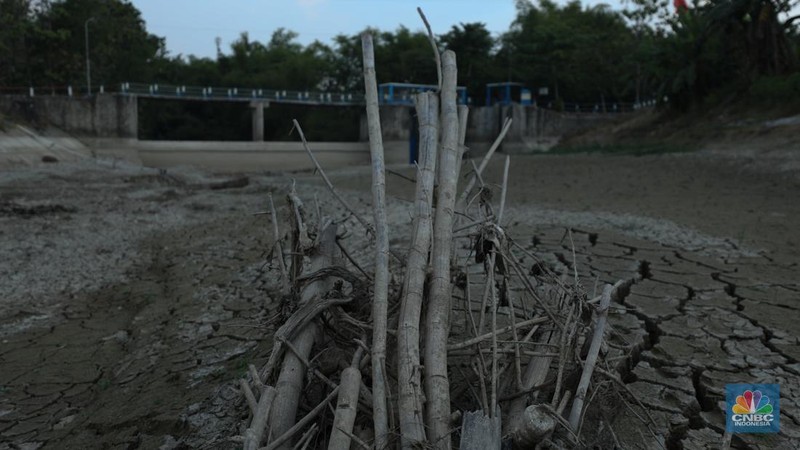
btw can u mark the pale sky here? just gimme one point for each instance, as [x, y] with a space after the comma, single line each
[190, 26]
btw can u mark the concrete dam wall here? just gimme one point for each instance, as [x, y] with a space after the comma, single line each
[109, 124]
[105, 116]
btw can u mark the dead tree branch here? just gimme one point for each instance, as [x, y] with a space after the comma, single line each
[380, 301]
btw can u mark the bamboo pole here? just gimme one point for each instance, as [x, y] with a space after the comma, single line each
[282, 440]
[437, 385]
[410, 399]
[290, 384]
[591, 358]
[346, 407]
[380, 302]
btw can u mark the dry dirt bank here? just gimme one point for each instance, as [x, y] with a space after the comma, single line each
[130, 301]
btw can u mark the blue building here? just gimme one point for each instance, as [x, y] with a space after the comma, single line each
[402, 93]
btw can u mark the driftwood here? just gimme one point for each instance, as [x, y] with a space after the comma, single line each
[290, 380]
[480, 431]
[535, 425]
[380, 301]
[255, 434]
[410, 390]
[466, 331]
[437, 325]
[346, 406]
[591, 358]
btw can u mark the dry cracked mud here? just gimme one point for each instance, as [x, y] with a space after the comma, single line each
[131, 301]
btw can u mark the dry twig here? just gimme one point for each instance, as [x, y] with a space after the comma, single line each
[328, 183]
[436, 53]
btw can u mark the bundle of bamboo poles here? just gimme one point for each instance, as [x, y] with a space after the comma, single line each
[474, 346]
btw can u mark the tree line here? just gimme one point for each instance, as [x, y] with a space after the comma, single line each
[649, 50]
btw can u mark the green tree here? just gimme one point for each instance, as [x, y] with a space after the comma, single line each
[473, 45]
[16, 27]
[724, 46]
[581, 54]
[120, 48]
[404, 57]
[280, 64]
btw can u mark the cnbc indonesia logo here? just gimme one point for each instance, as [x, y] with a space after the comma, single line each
[753, 408]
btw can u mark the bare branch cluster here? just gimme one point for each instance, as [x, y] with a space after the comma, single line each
[472, 328]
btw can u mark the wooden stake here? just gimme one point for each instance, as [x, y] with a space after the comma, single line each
[410, 399]
[346, 407]
[437, 325]
[481, 432]
[380, 302]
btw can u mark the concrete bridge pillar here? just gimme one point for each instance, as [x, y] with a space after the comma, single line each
[258, 119]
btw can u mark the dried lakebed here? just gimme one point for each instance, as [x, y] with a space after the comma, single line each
[131, 302]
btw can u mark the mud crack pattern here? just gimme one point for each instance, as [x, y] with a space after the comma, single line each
[130, 305]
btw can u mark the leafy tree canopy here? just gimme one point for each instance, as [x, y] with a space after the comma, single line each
[581, 53]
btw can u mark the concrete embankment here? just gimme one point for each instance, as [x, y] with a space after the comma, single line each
[20, 145]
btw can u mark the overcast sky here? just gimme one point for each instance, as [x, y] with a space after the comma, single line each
[190, 26]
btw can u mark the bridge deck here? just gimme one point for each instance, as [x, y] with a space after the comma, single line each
[197, 93]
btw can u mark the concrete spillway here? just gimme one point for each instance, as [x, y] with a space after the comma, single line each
[19, 145]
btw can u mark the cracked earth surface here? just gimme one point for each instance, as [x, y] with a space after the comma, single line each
[128, 312]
